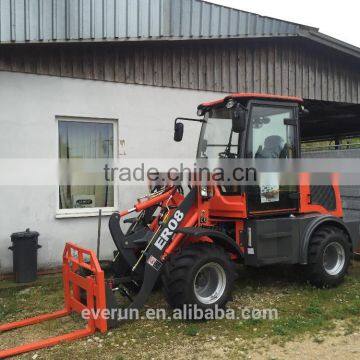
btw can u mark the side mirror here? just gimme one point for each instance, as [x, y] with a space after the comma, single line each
[238, 120]
[178, 131]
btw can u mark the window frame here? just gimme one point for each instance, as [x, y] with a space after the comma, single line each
[87, 212]
[294, 106]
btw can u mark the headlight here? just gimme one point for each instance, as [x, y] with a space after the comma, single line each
[204, 191]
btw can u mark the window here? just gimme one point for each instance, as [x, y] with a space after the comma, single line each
[217, 140]
[84, 140]
[271, 138]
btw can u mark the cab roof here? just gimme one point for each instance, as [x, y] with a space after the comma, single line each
[250, 96]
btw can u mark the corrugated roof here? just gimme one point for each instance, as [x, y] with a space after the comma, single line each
[32, 21]
[64, 20]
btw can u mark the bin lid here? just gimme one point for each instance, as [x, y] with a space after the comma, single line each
[27, 234]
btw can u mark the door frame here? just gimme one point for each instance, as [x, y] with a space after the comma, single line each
[295, 109]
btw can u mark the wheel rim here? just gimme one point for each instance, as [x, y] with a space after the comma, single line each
[210, 283]
[334, 258]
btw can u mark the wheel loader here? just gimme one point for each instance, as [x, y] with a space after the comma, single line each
[193, 243]
[190, 242]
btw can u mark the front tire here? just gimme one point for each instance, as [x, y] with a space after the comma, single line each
[329, 256]
[202, 275]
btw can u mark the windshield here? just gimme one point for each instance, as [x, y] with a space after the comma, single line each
[216, 138]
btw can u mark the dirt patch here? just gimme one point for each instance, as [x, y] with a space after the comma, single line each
[343, 347]
[339, 345]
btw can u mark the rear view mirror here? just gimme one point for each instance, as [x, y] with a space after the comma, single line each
[238, 120]
[178, 131]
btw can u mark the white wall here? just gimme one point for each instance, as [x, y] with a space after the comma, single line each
[28, 129]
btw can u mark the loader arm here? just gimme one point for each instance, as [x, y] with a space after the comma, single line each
[184, 215]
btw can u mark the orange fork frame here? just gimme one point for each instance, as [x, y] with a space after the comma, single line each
[74, 258]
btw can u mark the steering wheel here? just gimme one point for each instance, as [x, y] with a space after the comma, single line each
[227, 155]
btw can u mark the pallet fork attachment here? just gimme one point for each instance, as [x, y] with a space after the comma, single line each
[74, 259]
[78, 261]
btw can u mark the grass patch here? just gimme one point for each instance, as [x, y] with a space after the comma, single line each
[191, 330]
[302, 309]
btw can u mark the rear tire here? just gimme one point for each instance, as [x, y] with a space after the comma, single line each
[201, 274]
[328, 257]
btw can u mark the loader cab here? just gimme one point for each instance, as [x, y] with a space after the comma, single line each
[249, 127]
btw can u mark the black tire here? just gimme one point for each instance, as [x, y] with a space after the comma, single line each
[182, 270]
[328, 256]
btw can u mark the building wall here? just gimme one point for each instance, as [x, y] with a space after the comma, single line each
[277, 66]
[28, 129]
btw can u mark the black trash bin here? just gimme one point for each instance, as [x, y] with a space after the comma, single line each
[24, 247]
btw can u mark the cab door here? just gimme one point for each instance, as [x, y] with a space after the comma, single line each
[272, 135]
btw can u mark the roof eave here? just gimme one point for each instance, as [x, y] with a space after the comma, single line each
[152, 39]
[330, 42]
